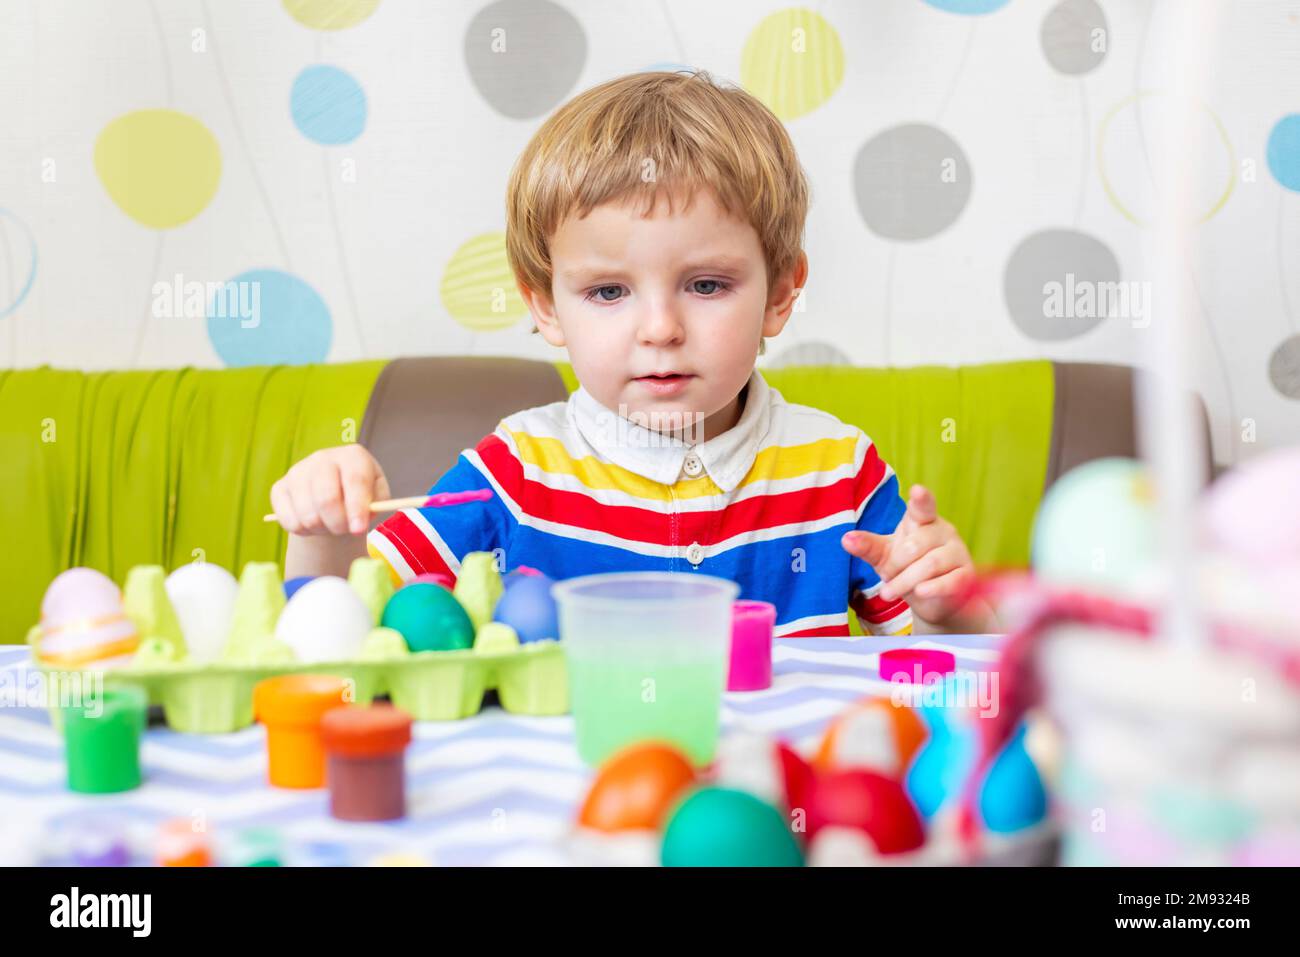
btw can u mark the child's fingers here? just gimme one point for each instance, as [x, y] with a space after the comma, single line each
[358, 488]
[921, 506]
[868, 546]
[382, 491]
[909, 546]
[935, 562]
[282, 505]
[327, 497]
[300, 500]
[948, 585]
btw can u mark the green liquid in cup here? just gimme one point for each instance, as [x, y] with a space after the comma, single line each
[647, 658]
[624, 702]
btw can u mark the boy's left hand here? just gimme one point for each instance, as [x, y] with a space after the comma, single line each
[924, 561]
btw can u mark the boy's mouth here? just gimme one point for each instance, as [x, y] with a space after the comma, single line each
[665, 383]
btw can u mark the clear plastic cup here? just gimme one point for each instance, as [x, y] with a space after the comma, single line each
[647, 659]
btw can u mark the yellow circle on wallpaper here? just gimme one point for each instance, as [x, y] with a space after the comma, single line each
[792, 61]
[478, 288]
[330, 14]
[161, 167]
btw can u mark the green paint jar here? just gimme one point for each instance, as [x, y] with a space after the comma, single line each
[102, 739]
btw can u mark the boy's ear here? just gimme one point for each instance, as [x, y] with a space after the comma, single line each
[781, 298]
[542, 308]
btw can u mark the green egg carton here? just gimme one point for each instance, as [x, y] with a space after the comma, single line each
[217, 697]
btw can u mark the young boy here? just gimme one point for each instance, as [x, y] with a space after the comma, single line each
[654, 226]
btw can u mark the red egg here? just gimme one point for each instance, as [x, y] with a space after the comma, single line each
[798, 775]
[636, 788]
[869, 802]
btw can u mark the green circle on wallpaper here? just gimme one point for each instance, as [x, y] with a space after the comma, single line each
[269, 317]
[330, 14]
[160, 167]
[328, 106]
[1284, 152]
[478, 287]
[793, 62]
[523, 56]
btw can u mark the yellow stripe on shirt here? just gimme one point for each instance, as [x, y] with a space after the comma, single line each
[772, 463]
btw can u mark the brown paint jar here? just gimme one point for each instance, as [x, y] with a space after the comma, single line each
[366, 761]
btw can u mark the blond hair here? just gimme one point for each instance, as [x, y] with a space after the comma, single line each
[647, 134]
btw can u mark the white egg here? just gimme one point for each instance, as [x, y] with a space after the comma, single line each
[325, 620]
[203, 595]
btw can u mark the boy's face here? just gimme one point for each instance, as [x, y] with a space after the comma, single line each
[684, 294]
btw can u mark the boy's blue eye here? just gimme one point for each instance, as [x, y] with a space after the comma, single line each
[710, 282]
[599, 292]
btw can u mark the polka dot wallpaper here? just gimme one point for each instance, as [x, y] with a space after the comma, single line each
[248, 181]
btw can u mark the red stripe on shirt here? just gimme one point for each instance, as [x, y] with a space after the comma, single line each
[822, 631]
[876, 610]
[869, 476]
[635, 523]
[413, 545]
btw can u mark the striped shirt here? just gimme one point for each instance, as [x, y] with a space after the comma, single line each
[578, 489]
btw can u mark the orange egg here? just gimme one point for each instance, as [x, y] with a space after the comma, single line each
[636, 788]
[874, 733]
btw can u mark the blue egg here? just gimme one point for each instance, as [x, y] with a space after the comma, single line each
[528, 608]
[943, 763]
[293, 584]
[1011, 796]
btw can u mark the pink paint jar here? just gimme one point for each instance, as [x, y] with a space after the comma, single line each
[750, 666]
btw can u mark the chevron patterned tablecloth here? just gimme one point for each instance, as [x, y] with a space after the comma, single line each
[493, 789]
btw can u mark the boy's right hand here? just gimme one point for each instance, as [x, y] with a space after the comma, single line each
[329, 492]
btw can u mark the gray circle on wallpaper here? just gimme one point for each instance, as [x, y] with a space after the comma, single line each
[811, 354]
[1284, 367]
[1070, 39]
[911, 182]
[524, 56]
[1057, 282]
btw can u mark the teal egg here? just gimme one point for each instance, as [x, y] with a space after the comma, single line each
[722, 827]
[429, 617]
[1096, 526]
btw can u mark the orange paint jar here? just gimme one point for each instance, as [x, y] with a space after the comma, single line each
[291, 707]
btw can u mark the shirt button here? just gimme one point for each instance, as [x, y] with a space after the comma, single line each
[695, 553]
[692, 466]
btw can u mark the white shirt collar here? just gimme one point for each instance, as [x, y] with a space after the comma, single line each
[726, 458]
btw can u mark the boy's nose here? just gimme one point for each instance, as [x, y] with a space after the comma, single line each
[661, 325]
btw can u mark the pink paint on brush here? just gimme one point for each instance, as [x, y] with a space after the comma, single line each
[456, 498]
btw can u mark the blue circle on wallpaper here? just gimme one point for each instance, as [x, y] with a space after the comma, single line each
[268, 317]
[17, 271]
[968, 6]
[664, 66]
[1284, 152]
[328, 105]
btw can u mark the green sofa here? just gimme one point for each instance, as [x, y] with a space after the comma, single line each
[115, 469]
